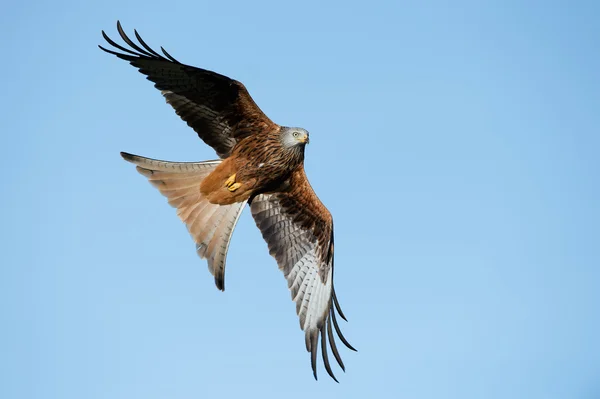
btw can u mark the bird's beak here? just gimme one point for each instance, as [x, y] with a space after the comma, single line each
[304, 140]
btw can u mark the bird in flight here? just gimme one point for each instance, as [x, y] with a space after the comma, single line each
[261, 164]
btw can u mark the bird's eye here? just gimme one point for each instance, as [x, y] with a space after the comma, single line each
[295, 134]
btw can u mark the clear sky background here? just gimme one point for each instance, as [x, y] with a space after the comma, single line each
[455, 142]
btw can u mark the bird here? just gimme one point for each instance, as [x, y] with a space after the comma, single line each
[260, 164]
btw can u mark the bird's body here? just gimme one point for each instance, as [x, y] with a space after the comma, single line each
[261, 164]
[258, 168]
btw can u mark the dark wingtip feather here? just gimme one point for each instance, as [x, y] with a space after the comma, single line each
[127, 156]
[137, 52]
[169, 55]
[339, 333]
[116, 45]
[143, 43]
[108, 51]
[130, 42]
[337, 306]
[332, 344]
[314, 342]
[324, 354]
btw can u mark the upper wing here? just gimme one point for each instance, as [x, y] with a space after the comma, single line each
[299, 231]
[218, 108]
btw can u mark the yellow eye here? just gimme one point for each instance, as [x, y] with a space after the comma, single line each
[295, 134]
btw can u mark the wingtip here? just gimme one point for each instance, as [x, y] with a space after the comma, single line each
[105, 36]
[338, 307]
[169, 56]
[332, 375]
[127, 156]
[350, 346]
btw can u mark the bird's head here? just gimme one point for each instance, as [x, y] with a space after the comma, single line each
[294, 137]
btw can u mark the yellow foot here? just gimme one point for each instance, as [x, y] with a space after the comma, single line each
[234, 186]
[229, 182]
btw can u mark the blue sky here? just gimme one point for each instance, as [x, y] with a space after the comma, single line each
[456, 144]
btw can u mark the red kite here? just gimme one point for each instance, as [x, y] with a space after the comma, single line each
[262, 164]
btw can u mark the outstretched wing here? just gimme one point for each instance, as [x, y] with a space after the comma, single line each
[218, 108]
[299, 231]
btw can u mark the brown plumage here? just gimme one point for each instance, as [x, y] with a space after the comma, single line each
[261, 164]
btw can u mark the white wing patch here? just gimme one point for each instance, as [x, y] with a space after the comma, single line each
[299, 256]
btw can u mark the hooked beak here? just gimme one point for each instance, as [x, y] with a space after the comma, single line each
[304, 140]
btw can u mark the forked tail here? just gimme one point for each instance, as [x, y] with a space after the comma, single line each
[210, 225]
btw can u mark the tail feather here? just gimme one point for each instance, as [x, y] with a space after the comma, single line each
[210, 225]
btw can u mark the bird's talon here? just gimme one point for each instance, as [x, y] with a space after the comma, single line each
[229, 182]
[234, 186]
